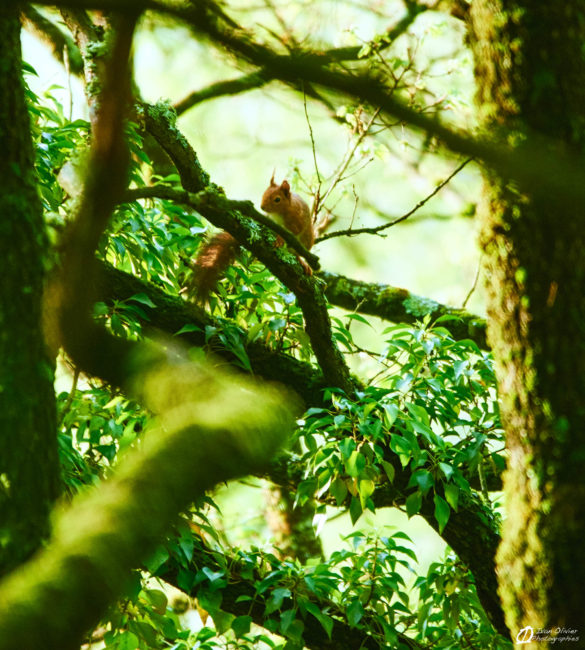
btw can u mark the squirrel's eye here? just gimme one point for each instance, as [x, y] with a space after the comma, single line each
[277, 199]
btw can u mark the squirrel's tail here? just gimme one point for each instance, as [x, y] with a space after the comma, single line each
[211, 263]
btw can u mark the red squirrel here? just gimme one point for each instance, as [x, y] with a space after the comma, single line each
[289, 209]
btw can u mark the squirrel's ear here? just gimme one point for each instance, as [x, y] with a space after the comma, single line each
[272, 183]
[285, 187]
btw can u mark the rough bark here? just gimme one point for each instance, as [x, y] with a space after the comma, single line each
[400, 306]
[28, 445]
[530, 70]
[291, 525]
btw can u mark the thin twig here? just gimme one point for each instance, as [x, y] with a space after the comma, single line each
[312, 141]
[348, 158]
[377, 229]
[474, 285]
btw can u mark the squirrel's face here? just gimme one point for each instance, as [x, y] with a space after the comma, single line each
[276, 198]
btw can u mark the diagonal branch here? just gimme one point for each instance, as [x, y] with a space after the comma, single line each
[222, 88]
[377, 229]
[245, 207]
[238, 218]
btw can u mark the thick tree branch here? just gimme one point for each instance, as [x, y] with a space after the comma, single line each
[53, 600]
[239, 597]
[171, 314]
[400, 306]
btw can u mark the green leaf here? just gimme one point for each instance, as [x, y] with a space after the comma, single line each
[276, 599]
[209, 600]
[442, 512]
[222, 620]
[447, 470]
[354, 613]
[355, 464]
[424, 479]
[355, 510]
[189, 327]
[452, 495]
[143, 299]
[338, 490]
[325, 620]
[241, 625]
[286, 618]
[389, 469]
[413, 503]
[365, 489]
[127, 641]
[391, 413]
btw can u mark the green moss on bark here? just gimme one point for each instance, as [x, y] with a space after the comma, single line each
[28, 449]
[530, 70]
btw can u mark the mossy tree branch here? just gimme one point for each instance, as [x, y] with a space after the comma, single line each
[400, 306]
[172, 313]
[212, 427]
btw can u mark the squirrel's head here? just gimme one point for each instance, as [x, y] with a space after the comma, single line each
[276, 198]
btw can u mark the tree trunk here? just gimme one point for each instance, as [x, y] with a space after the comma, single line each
[29, 478]
[530, 71]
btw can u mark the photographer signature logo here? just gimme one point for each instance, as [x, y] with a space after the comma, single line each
[525, 635]
[553, 635]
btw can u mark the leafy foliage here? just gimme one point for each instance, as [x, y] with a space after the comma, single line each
[428, 414]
